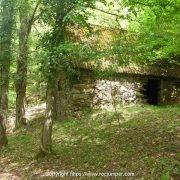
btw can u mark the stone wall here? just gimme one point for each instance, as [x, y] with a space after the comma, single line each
[93, 92]
[83, 91]
[170, 91]
[116, 91]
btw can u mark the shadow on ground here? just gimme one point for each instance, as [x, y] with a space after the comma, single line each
[139, 140]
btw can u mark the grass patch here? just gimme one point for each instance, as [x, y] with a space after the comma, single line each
[145, 143]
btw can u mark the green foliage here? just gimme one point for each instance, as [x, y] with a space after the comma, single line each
[152, 32]
[165, 176]
[7, 8]
[60, 54]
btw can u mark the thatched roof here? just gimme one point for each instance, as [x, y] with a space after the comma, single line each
[161, 70]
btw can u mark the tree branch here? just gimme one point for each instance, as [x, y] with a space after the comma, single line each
[32, 18]
[37, 16]
[110, 13]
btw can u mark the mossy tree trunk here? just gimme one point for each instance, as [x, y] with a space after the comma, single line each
[46, 139]
[58, 108]
[3, 138]
[54, 109]
[6, 31]
[26, 22]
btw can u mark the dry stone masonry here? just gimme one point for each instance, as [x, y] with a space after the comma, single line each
[94, 92]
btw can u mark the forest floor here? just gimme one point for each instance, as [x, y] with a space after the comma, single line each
[140, 142]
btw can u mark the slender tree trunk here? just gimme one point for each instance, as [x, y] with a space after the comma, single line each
[6, 29]
[5, 69]
[22, 64]
[46, 140]
[3, 138]
[26, 22]
[21, 80]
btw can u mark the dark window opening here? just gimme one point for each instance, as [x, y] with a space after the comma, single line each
[151, 91]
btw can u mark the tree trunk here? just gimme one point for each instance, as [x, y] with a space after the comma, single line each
[21, 81]
[26, 22]
[3, 138]
[54, 110]
[6, 29]
[46, 140]
[58, 107]
[5, 69]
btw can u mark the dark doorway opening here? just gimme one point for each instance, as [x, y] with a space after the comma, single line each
[151, 91]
